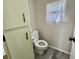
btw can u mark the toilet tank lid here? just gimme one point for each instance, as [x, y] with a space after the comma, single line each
[35, 35]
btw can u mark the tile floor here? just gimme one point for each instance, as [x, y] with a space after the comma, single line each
[52, 54]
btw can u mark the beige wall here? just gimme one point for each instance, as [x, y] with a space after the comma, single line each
[56, 35]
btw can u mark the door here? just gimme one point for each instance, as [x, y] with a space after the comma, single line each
[19, 43]
[15, 13]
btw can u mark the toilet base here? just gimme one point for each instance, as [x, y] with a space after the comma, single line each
[40, 52]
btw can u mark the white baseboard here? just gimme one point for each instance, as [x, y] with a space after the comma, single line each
[59, 50]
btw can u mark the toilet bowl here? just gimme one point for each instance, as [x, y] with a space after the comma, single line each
[40, 45]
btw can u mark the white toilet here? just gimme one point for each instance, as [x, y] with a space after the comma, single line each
[40, 45]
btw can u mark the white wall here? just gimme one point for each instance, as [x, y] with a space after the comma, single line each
[56, 35]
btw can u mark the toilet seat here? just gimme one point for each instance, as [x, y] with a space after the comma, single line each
[41, 44]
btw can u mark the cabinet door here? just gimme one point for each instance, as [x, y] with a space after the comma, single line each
[15, 13]
[20, 47]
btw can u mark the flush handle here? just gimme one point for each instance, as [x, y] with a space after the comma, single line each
[26, 35]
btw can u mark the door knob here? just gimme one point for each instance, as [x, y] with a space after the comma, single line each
[72, 39]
